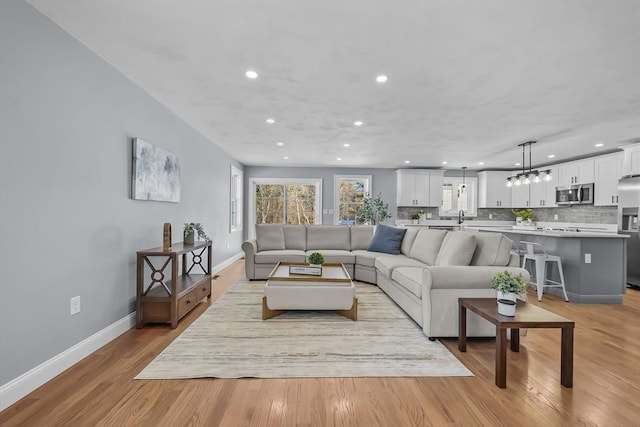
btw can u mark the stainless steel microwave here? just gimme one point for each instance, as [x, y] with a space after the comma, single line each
[577, 194]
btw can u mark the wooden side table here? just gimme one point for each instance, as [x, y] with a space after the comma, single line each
[527, 316]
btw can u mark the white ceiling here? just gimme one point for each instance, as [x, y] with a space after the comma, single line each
[468, 80]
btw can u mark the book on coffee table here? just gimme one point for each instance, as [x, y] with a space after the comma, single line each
[301, 269]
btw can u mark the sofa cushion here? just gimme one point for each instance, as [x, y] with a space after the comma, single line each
[457, 249]
[385, 264]
[295, 236]
[361, 236]
[273, 257]
[427, 244]
[387, 240]
[409, 278]
[408, 239]
[366, 258]
[335, 255]
[321, 237]
[491, 249]
[269, 237]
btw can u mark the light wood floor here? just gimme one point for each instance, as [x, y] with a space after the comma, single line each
[100, 390]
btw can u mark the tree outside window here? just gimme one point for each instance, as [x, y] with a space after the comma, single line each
[349, 194]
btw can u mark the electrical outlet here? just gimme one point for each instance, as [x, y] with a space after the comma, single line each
[555, 217]
[587, 258]
[74, 304]
[429, 215]
[490, 216]
[228, 245]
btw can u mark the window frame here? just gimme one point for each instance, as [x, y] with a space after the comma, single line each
[336, 191]
[253, 182]
[235, 203]
[472, 194]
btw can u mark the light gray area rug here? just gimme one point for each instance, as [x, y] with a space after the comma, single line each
[230, 340]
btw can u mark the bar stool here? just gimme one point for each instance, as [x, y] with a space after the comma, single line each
[535, 252]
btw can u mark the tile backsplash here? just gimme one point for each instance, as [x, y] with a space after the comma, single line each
[587, 214]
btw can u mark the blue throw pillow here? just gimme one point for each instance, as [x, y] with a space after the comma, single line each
[387, 239]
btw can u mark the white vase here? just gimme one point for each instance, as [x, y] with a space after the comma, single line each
[506, 307]
[511, 296]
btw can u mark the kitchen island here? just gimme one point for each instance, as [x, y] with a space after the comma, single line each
[594, 263]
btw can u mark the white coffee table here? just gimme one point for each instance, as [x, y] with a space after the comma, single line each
[333, 290]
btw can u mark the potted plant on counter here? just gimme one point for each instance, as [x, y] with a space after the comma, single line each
[523, 216]
[508, 286]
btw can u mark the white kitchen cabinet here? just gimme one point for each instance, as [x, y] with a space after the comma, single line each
[520, 196]
[543, 193]
[631, 162]
[419, 187]
[578, 172]
[436, 180]
[608, 172]
[492, 189]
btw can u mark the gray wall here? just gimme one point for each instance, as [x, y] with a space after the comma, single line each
[67, 223]
[383, 182]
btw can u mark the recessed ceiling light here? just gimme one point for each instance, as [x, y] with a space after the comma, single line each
[444, 163]
[517, 164]
[551, 156]
[599, 144]
[280, 144]
[346, 145]
[357, 123]
[251, 74]
[339, 158]
[270, 121]
[286, 157]
[382, 78]
[406, 162]
[481, 163]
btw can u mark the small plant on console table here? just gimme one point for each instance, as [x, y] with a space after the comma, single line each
[190, 228]
[316, 258]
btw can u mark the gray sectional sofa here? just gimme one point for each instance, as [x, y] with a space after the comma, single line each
[434, 267]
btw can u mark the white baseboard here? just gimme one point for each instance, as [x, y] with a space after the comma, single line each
[227, 263]
[19, 387]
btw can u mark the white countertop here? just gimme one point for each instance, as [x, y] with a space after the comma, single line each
[553, 233]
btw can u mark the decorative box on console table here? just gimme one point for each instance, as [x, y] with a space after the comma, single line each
[163, 294]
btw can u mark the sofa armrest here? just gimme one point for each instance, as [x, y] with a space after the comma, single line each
[250, 247]
[464, 277]
[514, 260]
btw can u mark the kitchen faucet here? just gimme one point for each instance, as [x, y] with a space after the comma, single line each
[460, 216]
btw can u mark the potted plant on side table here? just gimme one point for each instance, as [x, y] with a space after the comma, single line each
[508, 286]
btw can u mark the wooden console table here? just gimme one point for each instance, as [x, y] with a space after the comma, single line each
[527, 316]
[164, 298]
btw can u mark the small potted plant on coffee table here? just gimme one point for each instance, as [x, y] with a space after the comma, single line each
[316, 259]
[508, 286]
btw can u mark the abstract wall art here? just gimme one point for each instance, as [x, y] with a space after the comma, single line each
[156, 173]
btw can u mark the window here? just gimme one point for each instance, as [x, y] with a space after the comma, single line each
[349, 192]
[458, 196]
[235, 202]
[285, 201]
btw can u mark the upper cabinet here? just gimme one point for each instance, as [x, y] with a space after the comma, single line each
[578, 172]
[419, 187]
[543, 193]
[492, 189]
[520, 195]
[608, 172]
[631, 163]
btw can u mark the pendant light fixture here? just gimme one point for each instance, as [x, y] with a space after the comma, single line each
[526, 177]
